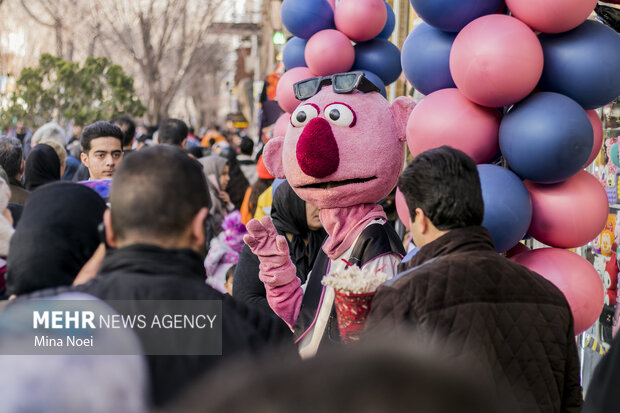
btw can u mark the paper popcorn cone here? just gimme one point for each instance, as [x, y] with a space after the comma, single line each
[352, 310]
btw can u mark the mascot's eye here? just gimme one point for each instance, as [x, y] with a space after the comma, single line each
[334, 114]
[340, 114]
[303, 114]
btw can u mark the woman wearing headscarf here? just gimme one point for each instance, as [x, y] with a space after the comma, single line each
[57, 235]
[299, 223]
[238, 182]
[217, 173]
[42, 167]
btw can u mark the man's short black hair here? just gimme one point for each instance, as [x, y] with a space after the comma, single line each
[128, 126]
[172, 132]
[11, 156]
[246, 146]
[157, 192]
[99, 129]
[444, 183]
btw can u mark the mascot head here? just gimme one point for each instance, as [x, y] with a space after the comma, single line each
[345, 144]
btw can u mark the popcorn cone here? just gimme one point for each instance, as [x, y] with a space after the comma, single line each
[352, 310]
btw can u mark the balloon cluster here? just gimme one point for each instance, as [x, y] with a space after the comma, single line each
[324, 31]
[495, 87]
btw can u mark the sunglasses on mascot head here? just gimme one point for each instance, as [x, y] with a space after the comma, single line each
[341, 83]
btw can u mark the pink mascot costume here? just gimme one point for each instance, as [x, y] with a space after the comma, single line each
[343, 151]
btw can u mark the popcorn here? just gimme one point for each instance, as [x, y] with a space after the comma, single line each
[354, 280]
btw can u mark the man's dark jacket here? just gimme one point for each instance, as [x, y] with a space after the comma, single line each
[511, 322]
[146, 272]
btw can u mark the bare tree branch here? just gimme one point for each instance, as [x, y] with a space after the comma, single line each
[162, 43]
[34, 16]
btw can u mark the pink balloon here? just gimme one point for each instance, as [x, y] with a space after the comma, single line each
[279, 129]
[284, 90]
[551, 16]
[446, 117]
[402, 209]
[496, 60]
[328, 52]
[360, 20]
[597, 127]
[568, 214]
[574, 276]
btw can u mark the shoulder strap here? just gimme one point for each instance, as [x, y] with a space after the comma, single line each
[375, 239]
[312, 294]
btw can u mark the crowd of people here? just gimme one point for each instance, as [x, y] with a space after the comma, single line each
[120, 212]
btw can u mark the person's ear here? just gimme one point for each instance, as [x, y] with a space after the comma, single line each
[420, 221]
[110, 236]
[198, 226]
[84, 159]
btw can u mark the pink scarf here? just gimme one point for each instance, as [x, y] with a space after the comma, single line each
[343, 225]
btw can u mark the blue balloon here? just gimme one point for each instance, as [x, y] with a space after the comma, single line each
[546, 138]
[377, 81]
[453, 15]
[583, 64]
[507, 206]
[303, 18]
[426, 59]
[389, 23]
[380, 57]
[293, 53]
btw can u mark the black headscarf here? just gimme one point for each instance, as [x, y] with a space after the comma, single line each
[56, 235]
[42, 167]
[238, 183]
[288, 213]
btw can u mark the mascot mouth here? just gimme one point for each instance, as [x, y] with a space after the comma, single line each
[334, 184]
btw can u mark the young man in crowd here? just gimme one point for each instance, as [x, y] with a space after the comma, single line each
[155, 229]
[102, 149]
[512, 323]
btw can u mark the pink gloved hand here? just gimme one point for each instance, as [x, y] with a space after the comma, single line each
[271, 249]
[276, 270]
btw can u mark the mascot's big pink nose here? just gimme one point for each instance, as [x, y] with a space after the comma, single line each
[317, 150]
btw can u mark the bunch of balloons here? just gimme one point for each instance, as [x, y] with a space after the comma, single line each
[522, 86]
[335, 36]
